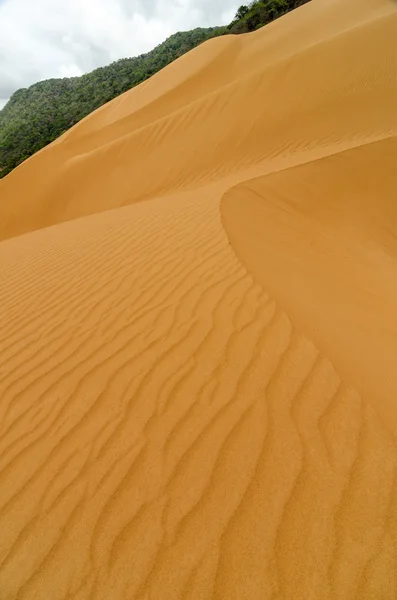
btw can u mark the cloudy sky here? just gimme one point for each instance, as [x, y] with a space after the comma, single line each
[61, 38]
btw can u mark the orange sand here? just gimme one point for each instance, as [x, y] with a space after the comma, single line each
[198, 351]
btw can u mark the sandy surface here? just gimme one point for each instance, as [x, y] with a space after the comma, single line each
[198, 383]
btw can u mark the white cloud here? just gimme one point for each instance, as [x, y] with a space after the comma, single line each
[70, 71]
[58, 38]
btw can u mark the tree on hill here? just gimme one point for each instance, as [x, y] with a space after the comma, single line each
[241, 12]
[257, 14]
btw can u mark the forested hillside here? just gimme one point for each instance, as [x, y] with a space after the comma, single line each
[37, 115]
[257, 14]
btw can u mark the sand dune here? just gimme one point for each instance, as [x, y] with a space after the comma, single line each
[198, 292]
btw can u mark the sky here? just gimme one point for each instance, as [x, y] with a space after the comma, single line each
[42, 39]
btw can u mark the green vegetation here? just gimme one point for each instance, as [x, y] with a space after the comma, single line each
[257, 14]
[37, 115]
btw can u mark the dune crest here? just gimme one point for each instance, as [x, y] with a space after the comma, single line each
[198, 291]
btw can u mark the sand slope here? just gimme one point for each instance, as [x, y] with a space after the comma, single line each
[197, 382]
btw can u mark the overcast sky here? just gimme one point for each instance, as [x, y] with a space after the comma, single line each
[40, 39]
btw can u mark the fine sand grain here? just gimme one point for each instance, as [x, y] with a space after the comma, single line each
[198, 347]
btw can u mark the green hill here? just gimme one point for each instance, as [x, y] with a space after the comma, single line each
[36, 116]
